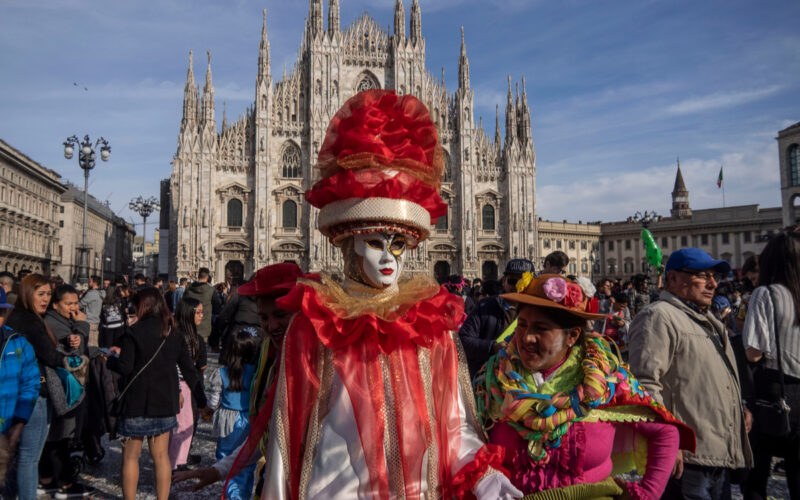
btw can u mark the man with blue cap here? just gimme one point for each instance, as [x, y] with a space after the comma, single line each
[682, 355]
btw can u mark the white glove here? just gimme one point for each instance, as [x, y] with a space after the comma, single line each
[496, 487]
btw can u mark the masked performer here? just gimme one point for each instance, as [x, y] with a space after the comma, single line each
[373, 397]
[566, 409]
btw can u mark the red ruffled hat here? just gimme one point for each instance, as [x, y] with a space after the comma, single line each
[272, 281]
[381, 166]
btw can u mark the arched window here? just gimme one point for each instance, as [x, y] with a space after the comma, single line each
[794, 165]
[234, 213]
[290, 161]
[488, 217]
[289, 214]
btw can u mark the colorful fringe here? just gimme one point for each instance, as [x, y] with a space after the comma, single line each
[503, 394]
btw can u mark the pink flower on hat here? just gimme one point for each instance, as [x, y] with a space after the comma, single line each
[555, 289]
[574, 295]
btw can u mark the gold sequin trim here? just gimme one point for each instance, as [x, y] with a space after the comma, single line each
[391, 439]
[471, 408]
[318, 413]
[425, 368]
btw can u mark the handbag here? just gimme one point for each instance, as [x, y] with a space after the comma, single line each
[770, 410]
[115, 410]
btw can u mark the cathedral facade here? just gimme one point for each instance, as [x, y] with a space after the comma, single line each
[236, 191]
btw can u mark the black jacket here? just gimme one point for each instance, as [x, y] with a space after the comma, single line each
[35, 332]
[481, 329]
[155, 393]
[63, 327]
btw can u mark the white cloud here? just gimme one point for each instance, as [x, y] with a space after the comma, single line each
[721, 100]
[750, 172]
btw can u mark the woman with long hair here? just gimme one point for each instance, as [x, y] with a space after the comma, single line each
[149, 351]
[68, 323]
[188, 317]
[774, 314]
[28, 319]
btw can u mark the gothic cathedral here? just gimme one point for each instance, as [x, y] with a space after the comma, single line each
[237, 191]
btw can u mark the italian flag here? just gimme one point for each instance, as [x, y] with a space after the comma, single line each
[719, 178]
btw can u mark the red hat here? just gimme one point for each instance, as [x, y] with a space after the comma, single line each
[381, 166]
[275, 280]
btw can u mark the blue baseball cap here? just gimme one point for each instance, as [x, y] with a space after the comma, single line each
[4, 300]
[720, 303]
[696, 259]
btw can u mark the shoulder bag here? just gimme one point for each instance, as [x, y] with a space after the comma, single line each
[116, 403]
[770, 410]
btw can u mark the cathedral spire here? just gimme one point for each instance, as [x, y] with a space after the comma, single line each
[263, 51]
[399, 21]
[463, 64]
[224, 116]
[315, 22]
[525, 115]
[189, 96]
[416, 23]
[497, 124]
[511, 116]
[333, 17]
[208, 94]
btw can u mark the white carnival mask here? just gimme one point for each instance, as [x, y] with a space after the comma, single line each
[380, 257]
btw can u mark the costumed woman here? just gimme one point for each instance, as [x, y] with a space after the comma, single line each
[373, 397]
[568, 413]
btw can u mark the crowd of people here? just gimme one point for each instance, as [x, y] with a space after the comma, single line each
[368, 385]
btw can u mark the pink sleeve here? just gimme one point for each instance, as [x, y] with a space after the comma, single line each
[662, 448]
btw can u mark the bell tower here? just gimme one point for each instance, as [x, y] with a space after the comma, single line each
[680, 197]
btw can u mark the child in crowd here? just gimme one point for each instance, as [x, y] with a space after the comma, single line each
[230, 396]
[615, 326]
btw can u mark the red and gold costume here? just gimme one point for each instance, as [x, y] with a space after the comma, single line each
[373, 399]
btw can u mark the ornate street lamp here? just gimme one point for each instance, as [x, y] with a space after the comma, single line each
[86, 160]
[645, 218]
[144, 207]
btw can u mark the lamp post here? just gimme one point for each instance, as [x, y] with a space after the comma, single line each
[86, 160]
[144, 207]
[645, 218]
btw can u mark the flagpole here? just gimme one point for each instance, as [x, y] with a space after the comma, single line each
[723, 193]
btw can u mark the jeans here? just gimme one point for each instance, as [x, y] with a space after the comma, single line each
[700, 483]
[23, 478]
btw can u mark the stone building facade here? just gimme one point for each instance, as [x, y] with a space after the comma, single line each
[615, 249]
[108, 237]
[581, 243]
[29, 208]
[789, 154]
[236, 192]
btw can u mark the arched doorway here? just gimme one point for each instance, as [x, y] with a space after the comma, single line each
[441, 271]
[489, 270]
[234, 272]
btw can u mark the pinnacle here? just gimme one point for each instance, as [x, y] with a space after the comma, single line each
[679, 184]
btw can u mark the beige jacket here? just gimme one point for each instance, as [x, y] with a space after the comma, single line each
[675, 359]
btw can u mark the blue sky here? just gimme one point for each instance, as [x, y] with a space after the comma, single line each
[618, 89]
